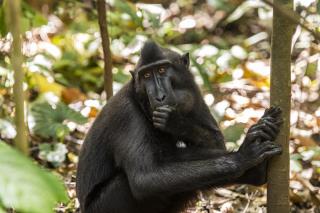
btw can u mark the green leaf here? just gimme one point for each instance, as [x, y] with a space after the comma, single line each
[234, 132]
[50, 121]
[25, 24]
[2, 210]
[32, 17]
[26, 187]
[39, 20]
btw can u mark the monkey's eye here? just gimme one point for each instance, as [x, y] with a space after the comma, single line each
[162, 70]
[147, 75]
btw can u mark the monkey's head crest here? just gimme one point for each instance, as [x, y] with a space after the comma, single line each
[154, 55]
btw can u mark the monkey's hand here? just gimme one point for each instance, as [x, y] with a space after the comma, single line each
[267, 127]
[161, 116]
[252, 154]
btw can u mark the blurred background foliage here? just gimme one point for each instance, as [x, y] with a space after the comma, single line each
[229, 45]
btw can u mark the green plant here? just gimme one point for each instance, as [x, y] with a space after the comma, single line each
[24, 186]
[50, 120]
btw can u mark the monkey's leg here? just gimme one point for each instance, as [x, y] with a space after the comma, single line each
[115, 197]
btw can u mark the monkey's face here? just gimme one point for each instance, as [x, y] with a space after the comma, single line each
[157, 86]
[161, 79]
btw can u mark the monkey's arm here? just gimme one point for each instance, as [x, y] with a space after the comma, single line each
[266, 129]
[254, 176]
[147, 176]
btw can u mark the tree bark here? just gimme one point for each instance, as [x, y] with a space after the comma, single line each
[102, 16]
[14, 23]
[278, 172]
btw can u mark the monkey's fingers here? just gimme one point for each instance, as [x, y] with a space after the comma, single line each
[268, 118]
[253, 136]
[159, 120]
[273, 111]
[269, 130]
[273, 125]
[164, 115]
[159, 125]
[271, 150]
[276, 121]
[276, 112]
[165, 108]
[268, 111]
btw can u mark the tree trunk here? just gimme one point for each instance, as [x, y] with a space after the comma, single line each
[102, 16]
[13, 16]
[278, 172]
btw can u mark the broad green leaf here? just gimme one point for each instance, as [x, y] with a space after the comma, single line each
[2, 210]
[26, 187]
[50, 121]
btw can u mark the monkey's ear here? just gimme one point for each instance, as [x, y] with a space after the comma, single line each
[132, 73]
[185, 60]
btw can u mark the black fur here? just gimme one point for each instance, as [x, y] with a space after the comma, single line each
[130, 163]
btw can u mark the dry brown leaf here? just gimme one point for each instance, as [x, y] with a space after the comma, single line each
[70, 95]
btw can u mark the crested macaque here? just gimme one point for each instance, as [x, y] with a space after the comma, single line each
[131, 162]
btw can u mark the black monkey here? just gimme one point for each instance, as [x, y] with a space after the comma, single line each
[130, 161]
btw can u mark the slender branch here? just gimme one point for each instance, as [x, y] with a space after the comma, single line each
[14, 23]
[102, 16]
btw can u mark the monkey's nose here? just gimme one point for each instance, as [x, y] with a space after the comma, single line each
[161, 97]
